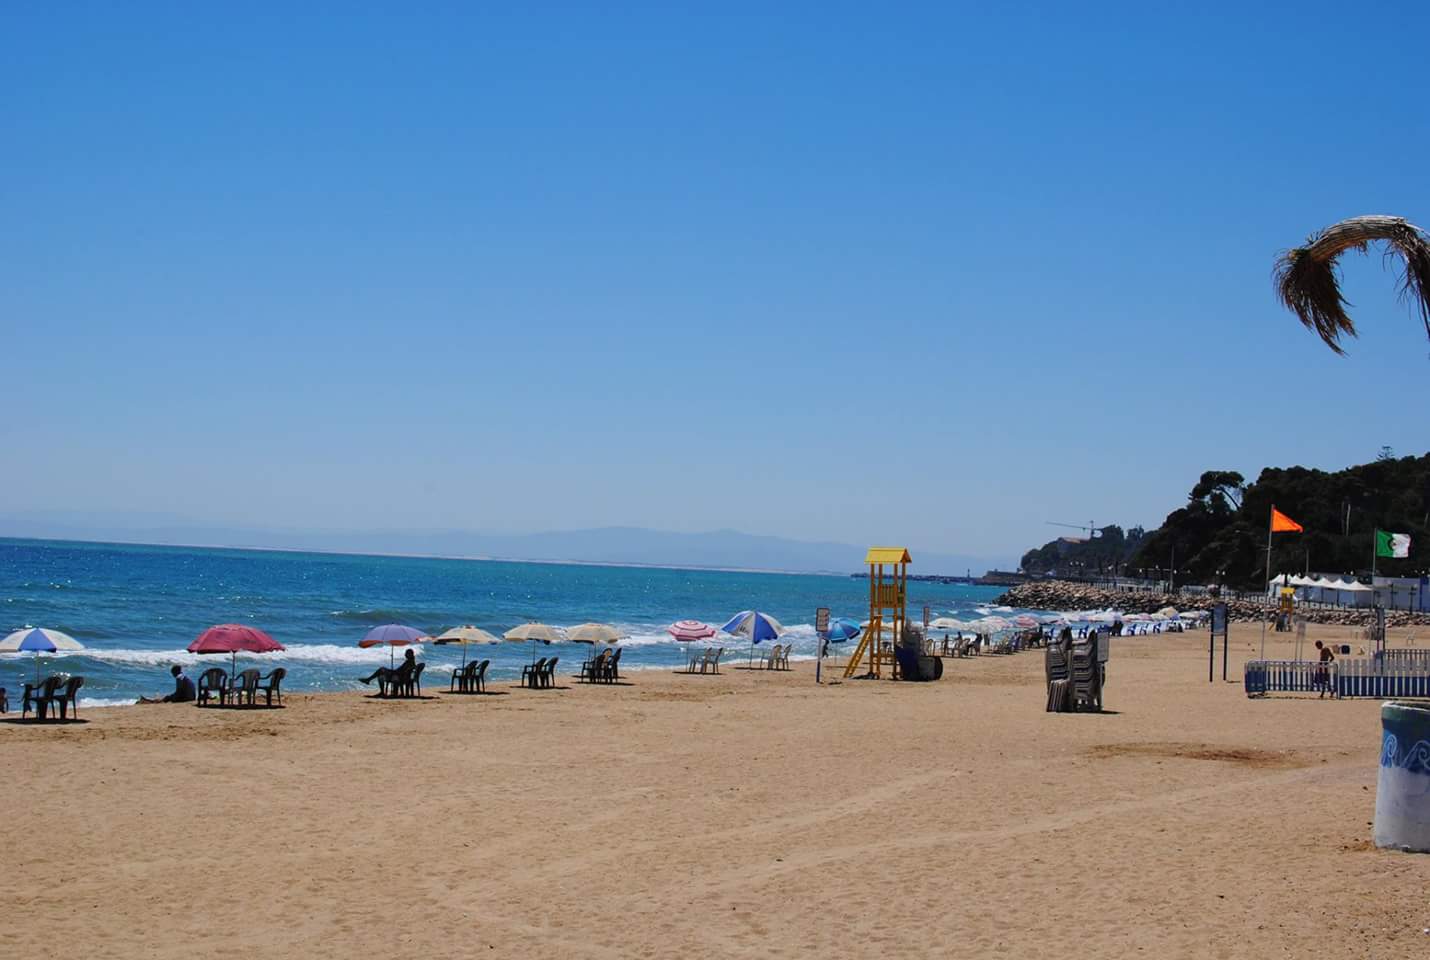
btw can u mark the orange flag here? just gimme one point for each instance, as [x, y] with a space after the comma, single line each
[1280, 523]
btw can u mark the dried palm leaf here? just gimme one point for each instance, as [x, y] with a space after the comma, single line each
[1308, 281]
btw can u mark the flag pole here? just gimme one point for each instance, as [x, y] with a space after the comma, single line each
[1374, 553]
[1268, 579]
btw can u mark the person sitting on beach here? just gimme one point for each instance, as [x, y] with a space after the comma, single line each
[184, 690]
[385, 676]
[1322, 679]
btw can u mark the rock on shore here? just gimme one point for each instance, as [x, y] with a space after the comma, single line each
[1064, 595]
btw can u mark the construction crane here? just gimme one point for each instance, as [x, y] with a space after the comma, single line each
[1090, 527]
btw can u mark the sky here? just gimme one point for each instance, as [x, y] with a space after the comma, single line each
[924, 273]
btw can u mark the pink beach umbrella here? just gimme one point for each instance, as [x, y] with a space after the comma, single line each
[687, 631]
[1026, 621]
[231, 638]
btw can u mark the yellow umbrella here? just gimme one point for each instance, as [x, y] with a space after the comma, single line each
[464, 636]
[594, 633]
[536, 633]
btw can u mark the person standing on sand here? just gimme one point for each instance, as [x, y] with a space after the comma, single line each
[1323, 672]
[184, 691]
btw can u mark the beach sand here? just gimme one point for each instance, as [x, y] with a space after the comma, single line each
[748, 814]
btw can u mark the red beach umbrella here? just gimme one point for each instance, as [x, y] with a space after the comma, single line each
[231, 638]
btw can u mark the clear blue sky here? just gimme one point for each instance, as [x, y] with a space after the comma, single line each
[924, 273]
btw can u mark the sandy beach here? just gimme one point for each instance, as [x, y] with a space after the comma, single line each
[746, 814]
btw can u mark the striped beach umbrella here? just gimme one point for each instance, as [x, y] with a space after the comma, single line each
[39, 640]
[755, 625]
[688, 631]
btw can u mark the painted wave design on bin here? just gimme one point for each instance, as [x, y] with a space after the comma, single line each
[1414, 760]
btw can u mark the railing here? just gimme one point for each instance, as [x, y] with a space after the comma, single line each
[1401, 673]
[887, 595]
[1404, 675]
[1261, 677]
[1401, 656]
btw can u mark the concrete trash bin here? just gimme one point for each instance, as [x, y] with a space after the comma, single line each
[1402, 792]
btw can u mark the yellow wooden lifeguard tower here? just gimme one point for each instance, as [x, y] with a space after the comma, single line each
[888, 594]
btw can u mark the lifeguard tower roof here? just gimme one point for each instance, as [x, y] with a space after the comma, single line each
[888, 555]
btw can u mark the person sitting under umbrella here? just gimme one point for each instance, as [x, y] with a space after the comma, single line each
[385, 676]
[184, 690]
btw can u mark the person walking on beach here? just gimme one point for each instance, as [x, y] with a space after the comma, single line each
[1323, 672]
[184, 691]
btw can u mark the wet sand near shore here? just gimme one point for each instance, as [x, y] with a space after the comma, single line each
[733, 815]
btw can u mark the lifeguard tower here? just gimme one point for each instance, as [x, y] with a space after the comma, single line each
[888, 595]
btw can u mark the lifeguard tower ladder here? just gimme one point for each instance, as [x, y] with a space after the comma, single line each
[888, 594]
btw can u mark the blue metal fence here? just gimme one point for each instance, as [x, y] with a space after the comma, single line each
[1261, 677]
[1380, 678]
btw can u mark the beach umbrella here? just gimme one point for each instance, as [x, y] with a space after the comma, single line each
[534, 632]
[466, 635]
[755, 625]
[946, 623]
[594, 633]
[839, 630]
[687, 631]
[842, 629]
[231, 638]
[1026, 621]
[392, 636]
[990, 625]
[39, 640]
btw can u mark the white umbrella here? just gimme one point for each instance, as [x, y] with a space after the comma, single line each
[594, 633]
[534, 632]
[466, 635]
[40, 640]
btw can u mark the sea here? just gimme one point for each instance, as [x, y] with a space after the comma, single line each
[135, 608]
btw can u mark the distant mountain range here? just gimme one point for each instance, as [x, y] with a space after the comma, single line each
[617, 545]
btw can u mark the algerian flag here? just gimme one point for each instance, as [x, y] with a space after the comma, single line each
[1396, 545]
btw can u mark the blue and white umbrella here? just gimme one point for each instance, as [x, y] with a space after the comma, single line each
[842, 629]
[39, 640]
[755, 625]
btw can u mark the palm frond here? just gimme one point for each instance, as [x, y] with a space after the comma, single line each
[1308, 279]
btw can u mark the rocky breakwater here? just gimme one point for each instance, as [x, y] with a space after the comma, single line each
[1063, 595]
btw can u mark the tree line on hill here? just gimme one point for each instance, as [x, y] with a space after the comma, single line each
[1219, 534]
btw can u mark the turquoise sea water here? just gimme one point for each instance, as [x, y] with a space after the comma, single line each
[135, 608]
